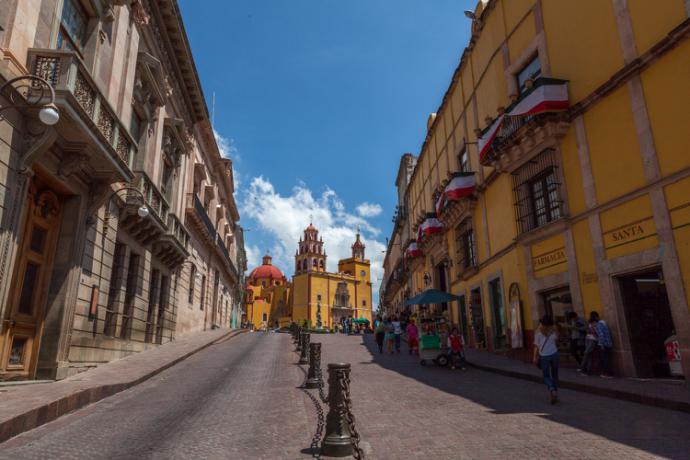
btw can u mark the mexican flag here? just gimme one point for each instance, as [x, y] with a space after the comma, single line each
[430, 226]
[547, 95]
[441, 203]
[413, 251]
[460, 186]
[485, 140]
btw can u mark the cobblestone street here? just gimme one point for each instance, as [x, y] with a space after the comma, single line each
[239, 399]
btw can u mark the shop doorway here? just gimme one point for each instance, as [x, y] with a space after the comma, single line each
[441, 284]
[557, 303]
[499, 315]
[463, 318]
[477, 318]
[24, 326]
[649, 320]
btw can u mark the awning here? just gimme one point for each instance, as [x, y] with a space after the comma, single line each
[431, 296]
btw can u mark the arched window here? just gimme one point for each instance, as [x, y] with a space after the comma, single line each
[304, 264]
[321, 263]
[315, 263]
[192, 282]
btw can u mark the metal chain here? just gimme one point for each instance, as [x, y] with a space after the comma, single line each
[319, 375]
[315, 445]
[349, 416]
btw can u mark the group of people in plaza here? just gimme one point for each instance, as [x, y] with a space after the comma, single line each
[584, 341]
[349, 326]
[389, 333]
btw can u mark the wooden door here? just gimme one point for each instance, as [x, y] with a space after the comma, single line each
[24, 326]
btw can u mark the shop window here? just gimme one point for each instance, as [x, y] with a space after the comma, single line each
[465, 245]
[537, 192]
[117, 275]
[192, 283]
[130, 295]
[203, 292]
[531, 71]
[73, 27]
[264, 317]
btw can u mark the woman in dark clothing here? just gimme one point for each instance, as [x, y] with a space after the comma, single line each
[380, 332]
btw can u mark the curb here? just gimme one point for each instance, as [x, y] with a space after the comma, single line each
[50, 411]
[647, 400]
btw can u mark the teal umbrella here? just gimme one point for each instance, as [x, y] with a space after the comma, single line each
[360, 321]
[431, 296]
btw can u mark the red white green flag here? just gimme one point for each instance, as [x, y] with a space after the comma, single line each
[413, 250]
[430, 226]
[460, 186]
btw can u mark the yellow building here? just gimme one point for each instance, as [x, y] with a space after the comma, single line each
[323, 298]
[570, 117]
[267, 296]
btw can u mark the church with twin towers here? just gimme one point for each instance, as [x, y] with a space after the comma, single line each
[314, 296]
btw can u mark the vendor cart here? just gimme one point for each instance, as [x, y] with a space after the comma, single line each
[433, 343]
[434, 332]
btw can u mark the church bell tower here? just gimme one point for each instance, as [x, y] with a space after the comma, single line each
[310, 255]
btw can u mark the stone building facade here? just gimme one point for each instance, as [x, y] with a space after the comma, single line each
[118, 226]
[554, 178]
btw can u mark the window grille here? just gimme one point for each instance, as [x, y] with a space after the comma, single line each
[536, 192]
[465, 244]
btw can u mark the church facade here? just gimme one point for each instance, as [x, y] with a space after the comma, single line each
[315, 296]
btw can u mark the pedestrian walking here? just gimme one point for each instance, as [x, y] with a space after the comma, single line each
[397, 333]
[380, 333]
[546, 355]
[390, 336]
[591, 341]
[456, 349]
[605, 343]
[412, 338]
[577, 328]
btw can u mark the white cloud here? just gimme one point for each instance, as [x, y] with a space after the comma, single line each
[226, 146]
[369, 209]
[253, 256]
[284, 218]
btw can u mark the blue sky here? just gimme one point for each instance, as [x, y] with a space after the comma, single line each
[315, 101]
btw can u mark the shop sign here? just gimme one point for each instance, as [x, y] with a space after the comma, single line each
[630, 233]
[549, 259]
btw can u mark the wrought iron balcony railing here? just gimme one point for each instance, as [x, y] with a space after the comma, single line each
[154, 198]
[177, 229]
[77, 94]
[203, 216]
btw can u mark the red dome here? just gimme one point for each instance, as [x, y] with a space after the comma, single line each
[267, 270]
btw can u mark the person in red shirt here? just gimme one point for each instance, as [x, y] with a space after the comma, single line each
[456, 348]
[412, 338]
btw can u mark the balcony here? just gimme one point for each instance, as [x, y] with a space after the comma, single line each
[200, 219]
[522, 137]
[155, 201]
[172, 247]
[88, 121]
[226, 254]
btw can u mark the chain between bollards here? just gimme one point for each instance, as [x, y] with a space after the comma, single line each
[304, 349]
[342, 438]
[298, 341]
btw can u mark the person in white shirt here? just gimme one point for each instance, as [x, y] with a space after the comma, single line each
[546, 355]
[397, 333]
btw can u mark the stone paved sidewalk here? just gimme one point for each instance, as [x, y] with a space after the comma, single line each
[25, 407]
[405, 410]
[666, 393]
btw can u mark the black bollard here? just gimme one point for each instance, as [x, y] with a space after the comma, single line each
[299, 340]
[313, 380]
[304, 351]
[338, 439]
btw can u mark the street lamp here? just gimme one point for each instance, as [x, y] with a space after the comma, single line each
[48, 113]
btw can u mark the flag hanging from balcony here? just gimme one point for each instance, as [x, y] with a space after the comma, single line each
[413, 250]
[485, 140]
[430, 226]
[460, 186]
[547, 95]
[441, 203]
